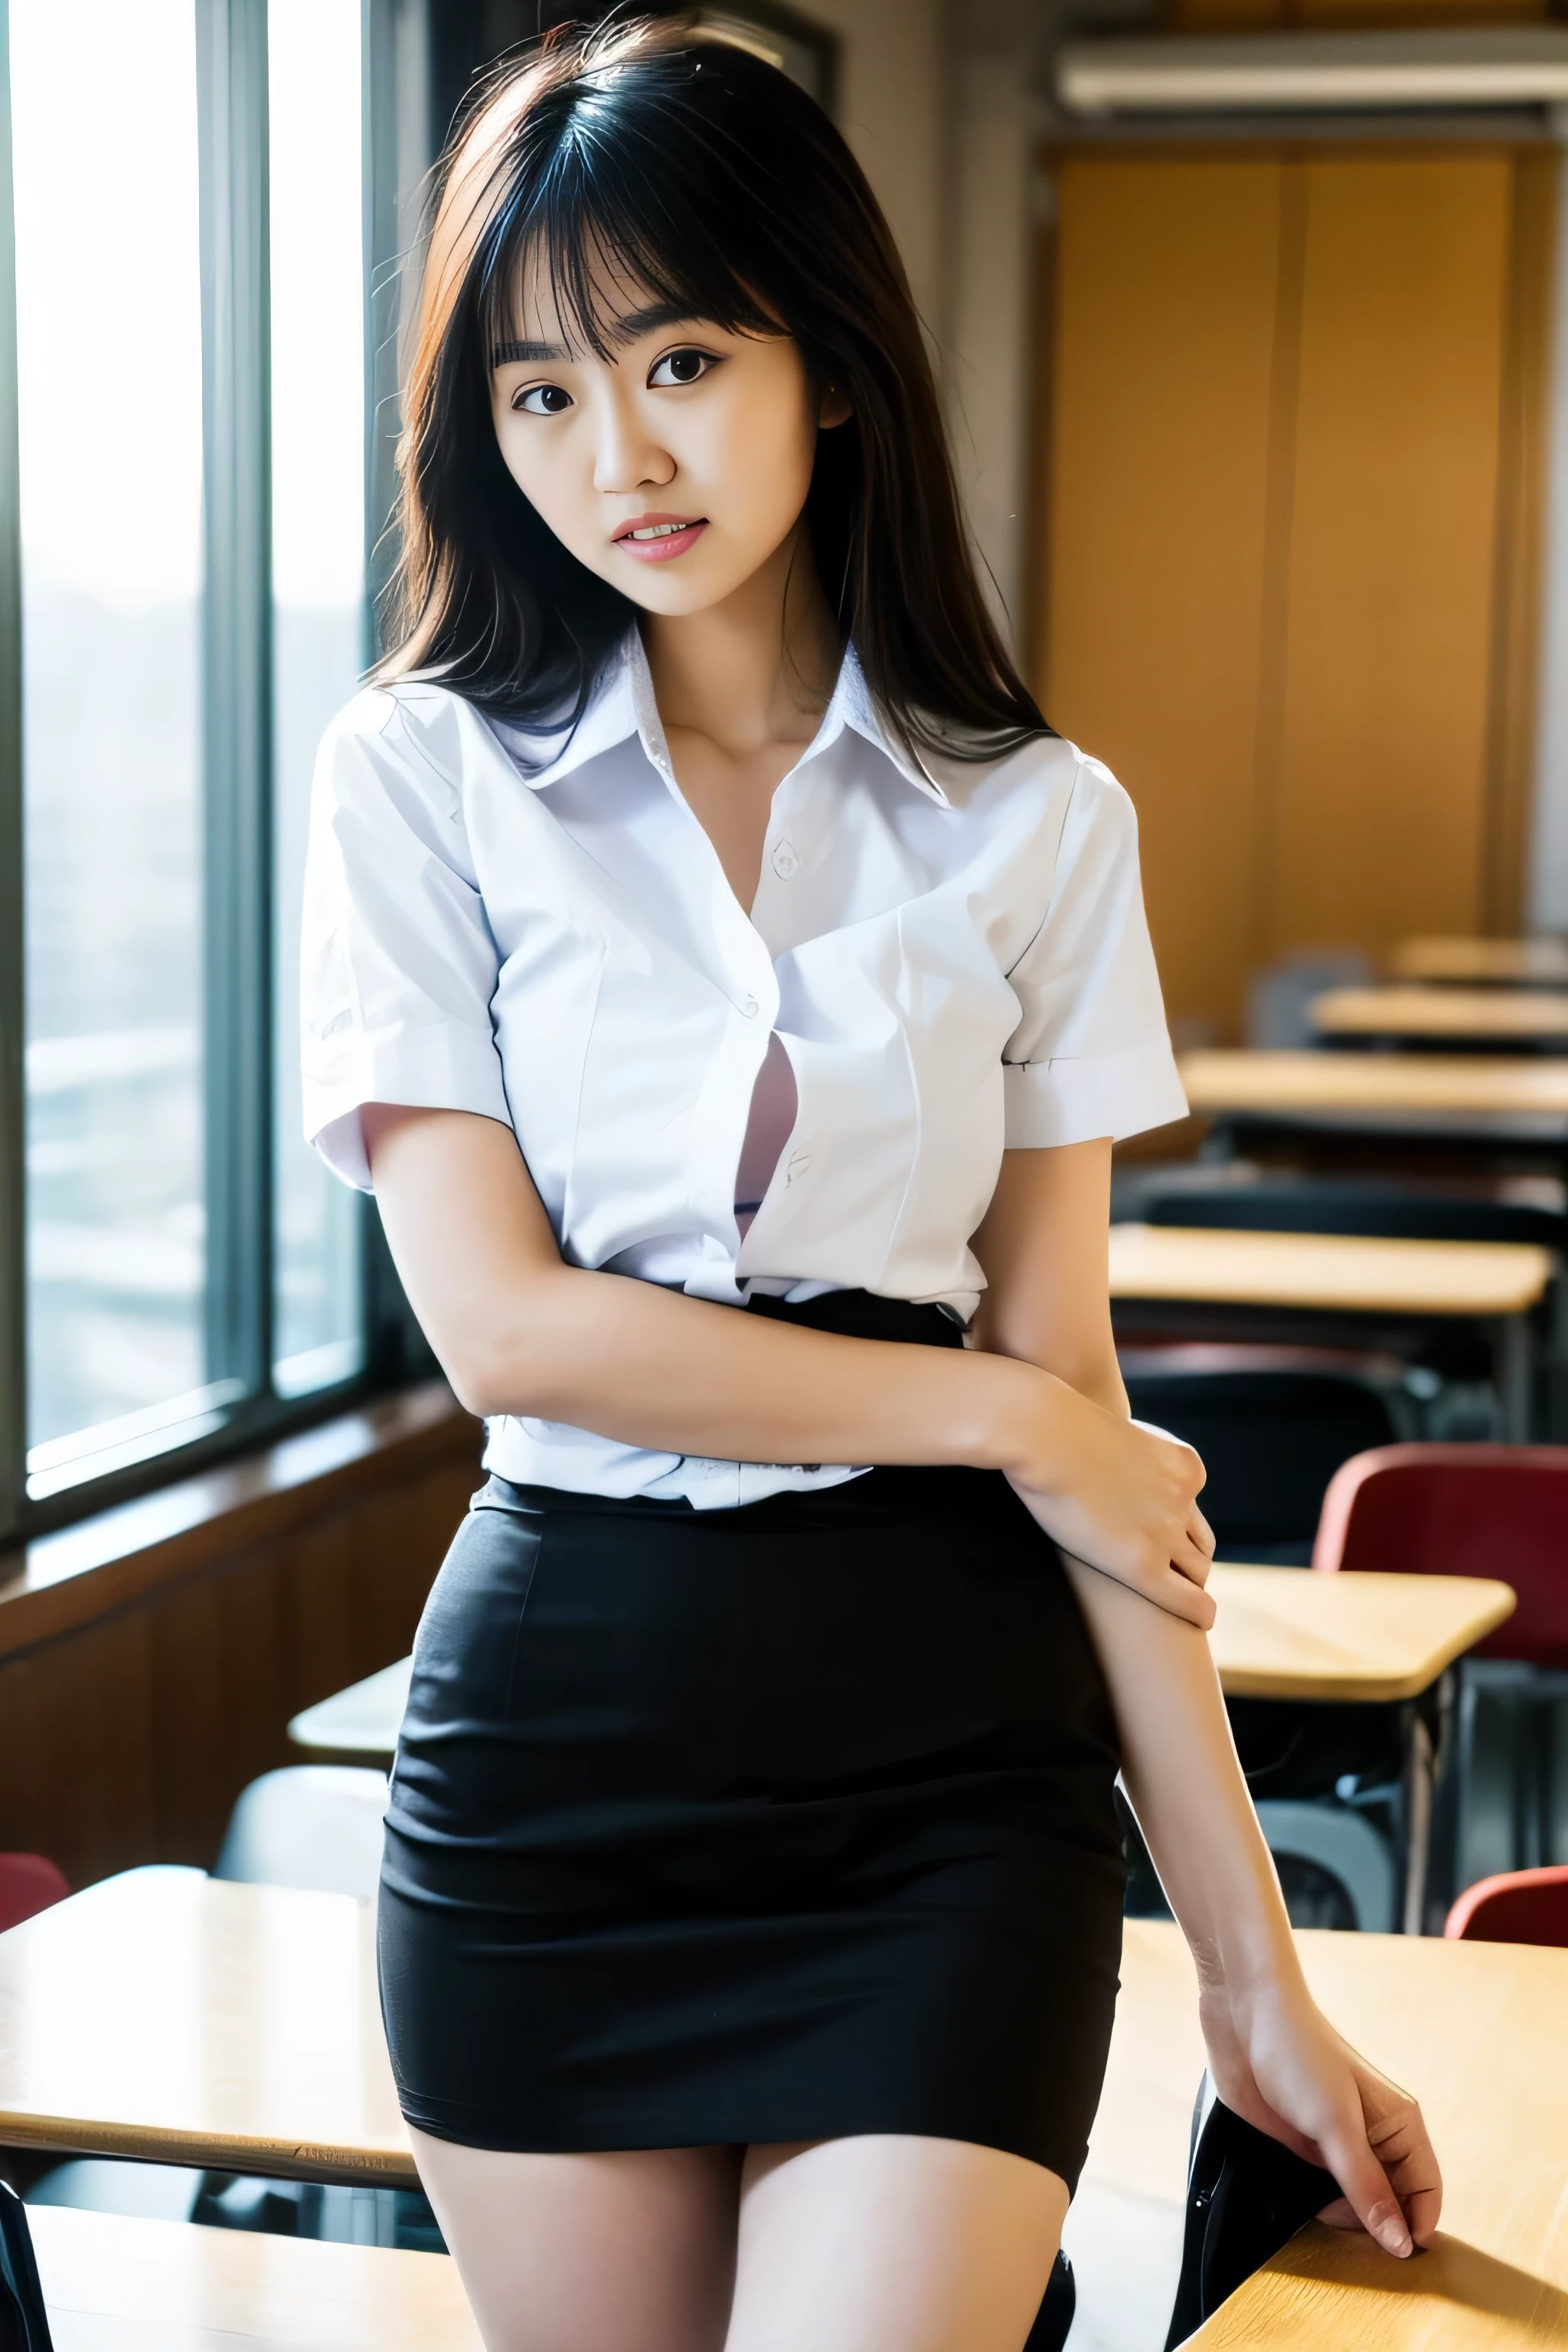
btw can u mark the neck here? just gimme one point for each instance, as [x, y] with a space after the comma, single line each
[757, 669]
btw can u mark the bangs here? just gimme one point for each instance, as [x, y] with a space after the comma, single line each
[605, 227]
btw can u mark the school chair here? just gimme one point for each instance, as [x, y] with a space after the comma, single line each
[1518, 1906]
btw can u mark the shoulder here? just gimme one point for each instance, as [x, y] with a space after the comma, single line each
[406, 741]
[1047, 783]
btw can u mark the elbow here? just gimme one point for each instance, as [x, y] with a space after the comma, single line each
[507, 1362]
[488, 1382]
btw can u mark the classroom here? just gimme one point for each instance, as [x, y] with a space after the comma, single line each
[783, 1175]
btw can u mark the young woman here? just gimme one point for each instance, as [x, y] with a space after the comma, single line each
[733, 988]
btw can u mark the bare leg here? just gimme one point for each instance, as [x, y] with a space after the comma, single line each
[886, 2244]
[630, 2253]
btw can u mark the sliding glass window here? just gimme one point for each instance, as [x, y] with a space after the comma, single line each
[110, 429]
[183, 525]
[319, 646]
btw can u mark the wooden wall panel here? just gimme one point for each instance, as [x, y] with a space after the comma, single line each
[1384, 754]
[1292, 533]
[1165, 347]
[125, 1737]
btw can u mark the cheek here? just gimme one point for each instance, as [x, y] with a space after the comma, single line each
[544, 474]
[769, 450]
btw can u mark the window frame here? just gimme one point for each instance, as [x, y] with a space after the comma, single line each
[236, 736]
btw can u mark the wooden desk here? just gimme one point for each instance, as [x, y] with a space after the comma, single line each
[1476, 2032]
[1352, 1274]
[117, 2285]
[357, 1726]
[167, 2015]
[1482, 1099]
[1492, 1018]
[1283, 1632]
[1501, 964]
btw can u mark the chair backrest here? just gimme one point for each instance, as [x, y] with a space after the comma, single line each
[1270, 1440]
[1329, 1205]
[1462, 1510]
[316, 1825]
[29, 1883]
[1519, 1906]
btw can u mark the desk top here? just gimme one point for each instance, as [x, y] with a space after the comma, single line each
[1340, 1272]
[1390, 1088]
[360, 1722]
[167, 2015]
[1489, 1016]
[119, 2285]
[1476, 2032]
[1510, 963]
[1283, 1632]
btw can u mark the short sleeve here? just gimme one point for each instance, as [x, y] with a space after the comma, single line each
[398, 965]
[1090, 1056]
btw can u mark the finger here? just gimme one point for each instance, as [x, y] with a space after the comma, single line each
[1402, 2145]
[1190, 1559]
[1201, 1534]
[1367, 2188]
[1183, 1596]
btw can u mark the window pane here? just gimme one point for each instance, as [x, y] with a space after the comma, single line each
[318, 575]
[108, 327]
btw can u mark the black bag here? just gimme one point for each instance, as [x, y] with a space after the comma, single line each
[1247, 2196]
[24, 2325]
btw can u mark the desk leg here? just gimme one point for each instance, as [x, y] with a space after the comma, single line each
[1513, 1357]
[1424, 1760]
[1419, 1781]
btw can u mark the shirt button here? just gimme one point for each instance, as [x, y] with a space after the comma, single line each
[750, 1007]
[785, 864]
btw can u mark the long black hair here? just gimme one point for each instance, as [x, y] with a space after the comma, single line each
[691, 167]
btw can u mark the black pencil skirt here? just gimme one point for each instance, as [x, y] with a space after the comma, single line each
[785, 1823]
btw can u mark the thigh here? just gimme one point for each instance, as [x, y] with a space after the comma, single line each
[889, 2243]
[624, 2252]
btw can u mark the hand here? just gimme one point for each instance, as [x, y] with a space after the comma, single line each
[1123, 1500]
[1278, 2063]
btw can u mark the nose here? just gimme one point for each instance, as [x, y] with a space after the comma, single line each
[624, 457]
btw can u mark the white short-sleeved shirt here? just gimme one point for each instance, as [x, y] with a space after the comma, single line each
[954, 956]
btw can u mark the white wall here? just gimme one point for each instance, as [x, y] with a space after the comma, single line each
[934, 100]
[989, 324]
[891, 109]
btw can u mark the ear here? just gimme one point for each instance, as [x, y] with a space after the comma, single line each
[835, 407]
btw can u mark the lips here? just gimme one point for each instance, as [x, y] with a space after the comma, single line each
[657, 538]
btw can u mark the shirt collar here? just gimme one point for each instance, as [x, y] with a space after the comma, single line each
[623, 705]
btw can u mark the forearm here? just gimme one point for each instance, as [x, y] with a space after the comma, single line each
[1185, 1784]
[653, 1368]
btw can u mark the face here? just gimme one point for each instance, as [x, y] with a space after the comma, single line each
[675, 468]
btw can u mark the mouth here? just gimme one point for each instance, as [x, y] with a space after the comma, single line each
[657, 539]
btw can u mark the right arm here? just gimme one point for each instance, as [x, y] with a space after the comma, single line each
[517, 1331]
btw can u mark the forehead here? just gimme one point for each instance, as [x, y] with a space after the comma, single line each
[582, 305]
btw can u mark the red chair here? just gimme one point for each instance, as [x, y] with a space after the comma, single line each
[1475, 1510]
[1520, 1907]
[1462, 1510]
[28, 1883]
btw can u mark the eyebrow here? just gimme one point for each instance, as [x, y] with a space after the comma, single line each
[625, 330]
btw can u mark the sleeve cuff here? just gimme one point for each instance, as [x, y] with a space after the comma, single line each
[1072, 1101]
[426, 1069]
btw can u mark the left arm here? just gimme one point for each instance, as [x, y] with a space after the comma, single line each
[1276, 2060]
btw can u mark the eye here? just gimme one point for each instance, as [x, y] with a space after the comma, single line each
[542, 400]
[681, 367]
